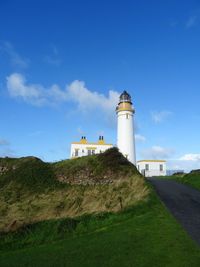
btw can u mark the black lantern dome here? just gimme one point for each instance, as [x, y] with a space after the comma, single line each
[125, 97]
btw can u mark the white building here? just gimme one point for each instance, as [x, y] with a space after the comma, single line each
[125, 127]
[150, 168]
[85, 148]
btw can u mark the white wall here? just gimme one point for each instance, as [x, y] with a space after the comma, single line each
[154, 168]
[125, 135]
[83, 149]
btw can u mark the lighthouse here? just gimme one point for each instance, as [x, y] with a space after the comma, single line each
[125, 127]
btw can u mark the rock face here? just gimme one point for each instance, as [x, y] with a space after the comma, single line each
[88, 177]
[101, 169]
[84, 181]
[3, 169]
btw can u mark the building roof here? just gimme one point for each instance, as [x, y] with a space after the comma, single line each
[83, 141]
[151, 160]
[96, 144]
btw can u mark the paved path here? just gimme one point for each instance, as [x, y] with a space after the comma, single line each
[183, 202]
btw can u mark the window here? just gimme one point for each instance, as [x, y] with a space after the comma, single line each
[83, 151]
[89, 152]
[93, 152]
[161, 167]
[127, 115]
[76, 152]
[146, 167]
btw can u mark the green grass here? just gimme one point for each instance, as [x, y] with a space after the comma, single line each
[145, 235]
[192, 179]
[29, 173]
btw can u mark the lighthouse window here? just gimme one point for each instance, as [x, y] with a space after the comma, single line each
[93, 152]
[89, 152]
[127, 115]
[161, 167]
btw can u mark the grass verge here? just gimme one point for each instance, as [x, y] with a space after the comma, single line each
[191, 179]
[145, 235]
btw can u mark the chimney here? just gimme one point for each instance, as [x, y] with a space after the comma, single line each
[83, 140]
[101, 140]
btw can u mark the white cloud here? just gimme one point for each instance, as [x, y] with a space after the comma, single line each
[17, 88]
[15, 58]
[191, 157]
[88, 100]
[160, 116]
[157, 152]
[186, 165]
[191, 22]
[4, 142]
[140, 138]
[5, 150]
[52, 60]
[186, 162]
[16, 84]
[76, 92]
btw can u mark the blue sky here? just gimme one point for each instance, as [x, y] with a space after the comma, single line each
[64, 63]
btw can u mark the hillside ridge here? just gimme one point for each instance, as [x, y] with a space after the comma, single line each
[32, 190]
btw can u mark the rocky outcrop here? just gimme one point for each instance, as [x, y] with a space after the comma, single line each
[3, 169]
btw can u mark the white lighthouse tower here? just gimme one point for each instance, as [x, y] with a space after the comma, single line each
[125, 127]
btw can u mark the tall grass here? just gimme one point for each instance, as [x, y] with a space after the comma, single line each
[30, 190]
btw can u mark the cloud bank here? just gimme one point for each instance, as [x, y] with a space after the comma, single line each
[5, 150]
[140, 138]
[76, 92]
[157, 152]
[15, 59]
[186, 162]
[4, 142]
[191, 157]
[160, 116]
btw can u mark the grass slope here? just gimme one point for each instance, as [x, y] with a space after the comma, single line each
[191, 179]
[32, 191]
[145, 235]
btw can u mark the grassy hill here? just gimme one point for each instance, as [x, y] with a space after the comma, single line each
[91, 211]
[32, 190]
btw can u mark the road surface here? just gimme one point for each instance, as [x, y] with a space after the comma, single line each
[183, 202]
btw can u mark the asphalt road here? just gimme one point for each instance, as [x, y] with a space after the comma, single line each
[183, 202]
